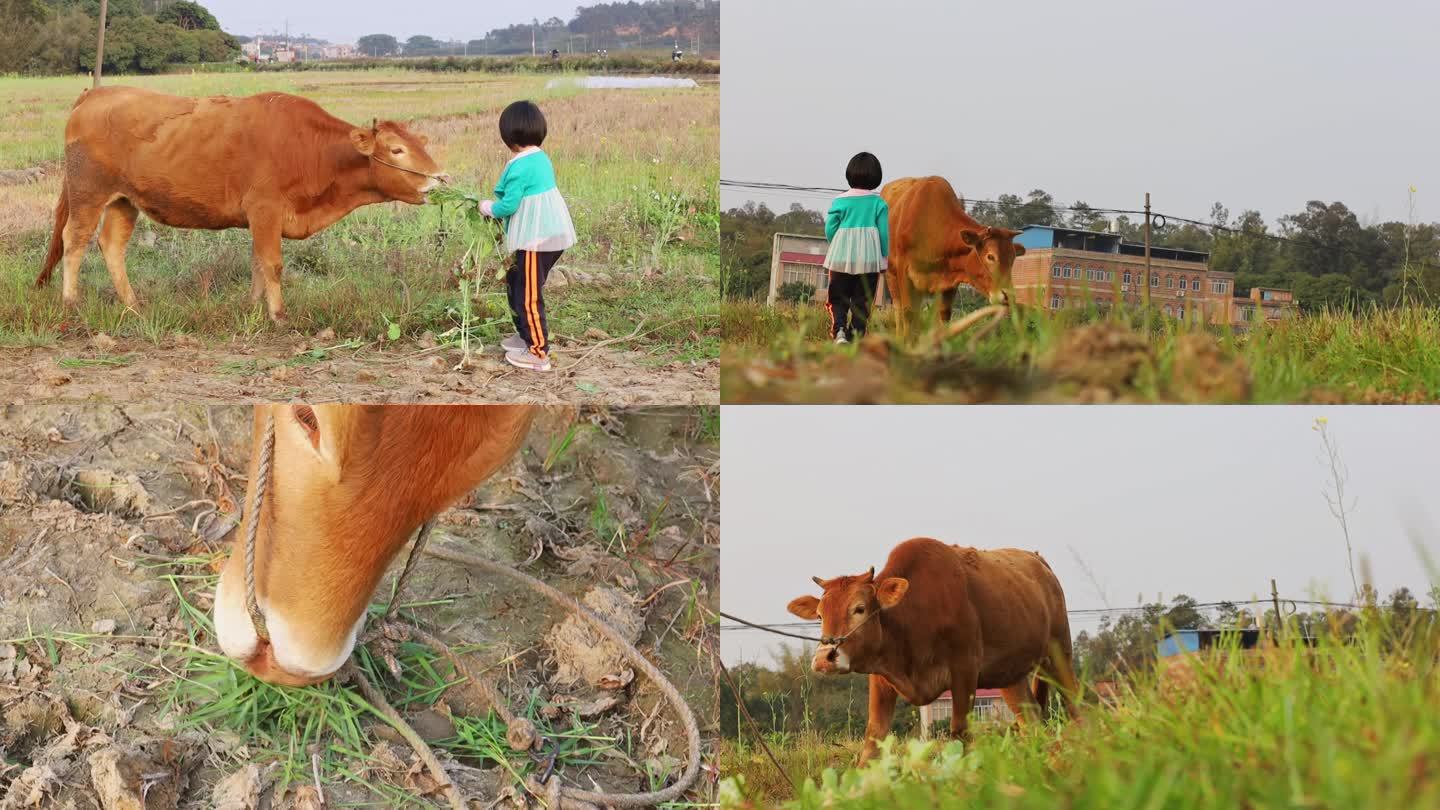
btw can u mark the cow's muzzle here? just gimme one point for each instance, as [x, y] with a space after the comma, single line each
[830, 660]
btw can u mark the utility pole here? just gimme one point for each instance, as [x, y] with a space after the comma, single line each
[1279, 619]
[1147, 251]
[100, 43]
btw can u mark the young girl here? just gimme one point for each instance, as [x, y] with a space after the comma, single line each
[537, 230]
[858, 229]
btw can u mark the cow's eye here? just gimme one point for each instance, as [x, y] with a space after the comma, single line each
[397, 151]
[860, 609]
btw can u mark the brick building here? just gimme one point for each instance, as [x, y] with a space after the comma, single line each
[1067, 267]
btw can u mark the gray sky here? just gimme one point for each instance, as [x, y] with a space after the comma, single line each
[1257, 105]
[1157, 501]
[340, 21]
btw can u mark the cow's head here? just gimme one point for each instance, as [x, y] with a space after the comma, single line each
[348, 486]
[994, 250]
[400, 167]
[851, 630]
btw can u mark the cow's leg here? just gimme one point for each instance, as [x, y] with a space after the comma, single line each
[882, 712]
[84, 216]
[115, 231]
[900, 290]
[266, 263]
[1021, 700]
[964, 677]
[945, 306]
[1060, 671]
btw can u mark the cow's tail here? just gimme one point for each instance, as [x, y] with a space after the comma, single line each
[57, 238]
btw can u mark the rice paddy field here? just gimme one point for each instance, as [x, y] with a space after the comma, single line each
[1345, 725]
[375, 307]
[783, 354]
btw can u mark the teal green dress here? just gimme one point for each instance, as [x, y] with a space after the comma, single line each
[858, 229]
[527, 199]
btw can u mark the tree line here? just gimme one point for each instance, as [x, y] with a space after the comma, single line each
[611, 26]
[1323, 252]
[47, 37]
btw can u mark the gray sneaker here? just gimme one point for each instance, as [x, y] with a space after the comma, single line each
[514, 343]
[840, 337]
[527, 359]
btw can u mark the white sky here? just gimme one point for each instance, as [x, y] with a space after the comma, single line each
[1157, 500]
[1257, 105]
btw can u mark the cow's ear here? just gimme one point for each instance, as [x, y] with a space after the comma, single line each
[805, 607]
[364, 140]
[1019, 250]
[971, 238]
[308, 421]
[891, 590]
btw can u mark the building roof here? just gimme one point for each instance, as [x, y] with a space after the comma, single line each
[1055, 236]
[802, 258]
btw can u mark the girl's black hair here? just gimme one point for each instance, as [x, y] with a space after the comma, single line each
[864, 172]
[522, 124]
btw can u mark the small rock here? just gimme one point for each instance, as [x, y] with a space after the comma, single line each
[596, 334]
[103, 626]
[365, 375]
[437, 363]
[326, 334]
[57, 380]
[557, 278]
[183, 340]
[432, 726]
[124, 779]
[428, 340]
[281, 373]
[238, 791]
[102, 343]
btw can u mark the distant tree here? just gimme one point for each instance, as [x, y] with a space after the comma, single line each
[795, 292]
[378, 45]
[421, 44]
[1084, 217]
[188, 15]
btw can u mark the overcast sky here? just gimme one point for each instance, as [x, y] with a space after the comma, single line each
[1257, 105]
[1157, 501]
[347, 21]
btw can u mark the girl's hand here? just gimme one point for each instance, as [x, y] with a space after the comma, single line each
[487, 208]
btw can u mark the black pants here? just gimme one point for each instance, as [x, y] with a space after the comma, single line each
[849, 304]
[525, 282]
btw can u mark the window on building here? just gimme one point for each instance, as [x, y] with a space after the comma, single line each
[1218, 286]
[1195, 284]
[1127, 276]
[1055, 270]
[1154, 280]
[1183, 282]
[1169, 282]
[1168, 311]
[1056, 301]
[1067, 271]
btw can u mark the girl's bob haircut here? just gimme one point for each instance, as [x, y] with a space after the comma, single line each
[864, 172]
[522, 124]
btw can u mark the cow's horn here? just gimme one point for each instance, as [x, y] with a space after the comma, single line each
[374, 124]
[870, 577]
[819, 581]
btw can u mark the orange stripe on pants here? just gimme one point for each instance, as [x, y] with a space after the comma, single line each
[532, 296]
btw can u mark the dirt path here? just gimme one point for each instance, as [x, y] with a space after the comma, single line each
[98, 506]
[278, 369]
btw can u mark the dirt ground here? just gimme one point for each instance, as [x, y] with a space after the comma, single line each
[129, 370]
[100, 503]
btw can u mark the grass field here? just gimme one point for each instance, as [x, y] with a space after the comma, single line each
[1345, 726]
[782, 354]
[638, 167]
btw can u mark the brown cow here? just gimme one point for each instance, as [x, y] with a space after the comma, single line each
[944, 617]
[274, 163]
[349, 485]
[935, 247]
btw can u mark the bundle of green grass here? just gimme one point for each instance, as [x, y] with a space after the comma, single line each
[483, 235]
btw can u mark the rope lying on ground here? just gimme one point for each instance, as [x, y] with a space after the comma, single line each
[520, 732]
